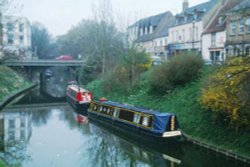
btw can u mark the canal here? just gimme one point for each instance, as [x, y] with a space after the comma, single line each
[38, 131]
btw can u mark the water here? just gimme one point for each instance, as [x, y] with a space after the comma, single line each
[41, 132]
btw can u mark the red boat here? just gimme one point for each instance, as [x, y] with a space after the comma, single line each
[78, 97]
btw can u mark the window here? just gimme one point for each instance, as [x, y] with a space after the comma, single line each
[21, 39]
[241, 26]
[10, 26]
[22, 135]
[213, 39]
[220, 20]
[21, 27]
[10, 39]
[22, 120]
[116, 112]
[233, 28]
[247, 51]
[145, 121]
[12, 123]
[137, 118]
[248, 24]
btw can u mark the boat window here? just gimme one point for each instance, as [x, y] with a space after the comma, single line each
[145, 121]
[111, 111]
[137, 118]
[104, 109]
[95, 107]
[116, 112]
[108, 111]
[100, 109]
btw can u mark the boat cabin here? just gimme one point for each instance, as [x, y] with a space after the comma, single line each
[163, 124]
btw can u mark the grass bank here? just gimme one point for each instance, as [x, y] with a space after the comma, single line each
[10, 82]
[193, 119]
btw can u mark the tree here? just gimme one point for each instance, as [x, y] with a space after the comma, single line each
[100, 44]
[227, 93]
[40, 40]
[127, 72]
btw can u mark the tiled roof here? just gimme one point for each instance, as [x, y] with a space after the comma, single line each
[243, 5]
[203, 8]
[162, 21]
[215, 26]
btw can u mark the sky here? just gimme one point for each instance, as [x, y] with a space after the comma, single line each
[58, 16]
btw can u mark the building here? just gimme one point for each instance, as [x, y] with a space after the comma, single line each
[16, 37]
[151, 34]
[185, 34]
[214, 37]
[238, 30]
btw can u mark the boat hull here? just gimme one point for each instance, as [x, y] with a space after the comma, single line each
[130, 131]
[82, 108]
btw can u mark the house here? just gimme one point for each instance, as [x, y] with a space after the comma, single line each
[151, 34]
[214, 36]
[185, 34]
[16, 37]
[238, 30]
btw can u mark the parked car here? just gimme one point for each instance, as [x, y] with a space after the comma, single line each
[64, 57]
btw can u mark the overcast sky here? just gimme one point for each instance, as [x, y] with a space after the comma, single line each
[60, 15]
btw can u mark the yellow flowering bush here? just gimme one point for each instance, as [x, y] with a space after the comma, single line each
[227, 93]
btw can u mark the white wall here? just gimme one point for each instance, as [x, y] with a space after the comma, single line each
[159, 42]
[206, 43]
[184, 33]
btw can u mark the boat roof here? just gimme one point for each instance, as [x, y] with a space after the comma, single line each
[139, 109]
[76, 88]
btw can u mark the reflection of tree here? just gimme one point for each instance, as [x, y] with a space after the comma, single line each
[106, 149]
[40, 117]
[69, 115]
[14, 153]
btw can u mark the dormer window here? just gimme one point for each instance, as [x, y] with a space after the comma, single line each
[220, 20]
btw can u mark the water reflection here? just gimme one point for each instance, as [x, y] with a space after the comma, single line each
[115, 151]
[15, 132]
[50, 133]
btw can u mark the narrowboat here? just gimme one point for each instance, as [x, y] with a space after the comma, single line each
[78, 97]
[141, 122]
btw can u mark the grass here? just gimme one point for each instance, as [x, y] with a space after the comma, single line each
[10, 81]
[194, 120]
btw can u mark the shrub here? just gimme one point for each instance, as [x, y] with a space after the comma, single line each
[179, 71]
[116, 81]
[227, 93]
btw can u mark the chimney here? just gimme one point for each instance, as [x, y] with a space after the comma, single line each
[185, 5]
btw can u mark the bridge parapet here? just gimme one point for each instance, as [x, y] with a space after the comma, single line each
[45, 63]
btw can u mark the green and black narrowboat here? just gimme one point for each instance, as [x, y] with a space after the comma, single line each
[141, 122]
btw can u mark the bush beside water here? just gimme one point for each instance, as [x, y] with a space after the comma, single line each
[183, 96]
[10, 81]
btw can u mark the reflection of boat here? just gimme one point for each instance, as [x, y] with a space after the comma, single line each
[78, 97]
[140, 154]
[143, 123]
[81, 119]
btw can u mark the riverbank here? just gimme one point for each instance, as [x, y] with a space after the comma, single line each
[12, 85]
[193, 119]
